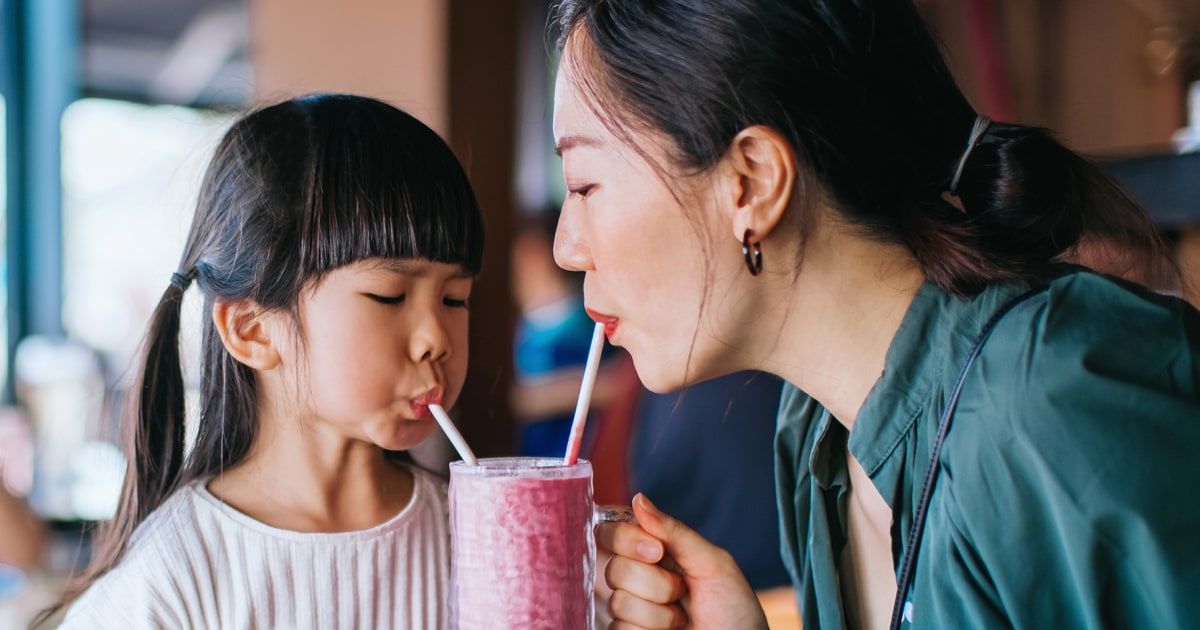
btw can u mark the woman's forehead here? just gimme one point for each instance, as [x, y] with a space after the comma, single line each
[570, 112]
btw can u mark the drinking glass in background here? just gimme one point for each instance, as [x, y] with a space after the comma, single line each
[523, 552]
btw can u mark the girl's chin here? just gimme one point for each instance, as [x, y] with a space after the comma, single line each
[406, 438]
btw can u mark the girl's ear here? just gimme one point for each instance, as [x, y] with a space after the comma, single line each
[764, 165]
[248, 334]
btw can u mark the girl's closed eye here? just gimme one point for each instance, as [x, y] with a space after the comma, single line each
[456, 302]
[387, 299]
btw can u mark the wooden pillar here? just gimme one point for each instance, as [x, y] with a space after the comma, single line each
[483, 95]
[394, 51]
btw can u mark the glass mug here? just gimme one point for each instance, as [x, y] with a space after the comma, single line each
[522, 549]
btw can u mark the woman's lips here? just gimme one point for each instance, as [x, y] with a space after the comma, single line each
[610, 322]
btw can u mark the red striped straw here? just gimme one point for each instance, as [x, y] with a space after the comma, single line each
[585, 395]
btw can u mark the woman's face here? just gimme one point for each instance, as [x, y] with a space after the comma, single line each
[647, 258]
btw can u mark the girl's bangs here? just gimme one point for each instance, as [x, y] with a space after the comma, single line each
[386, 186]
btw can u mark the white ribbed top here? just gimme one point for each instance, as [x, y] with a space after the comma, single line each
[198, 563]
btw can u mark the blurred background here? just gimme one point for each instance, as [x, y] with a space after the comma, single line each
[111, 108]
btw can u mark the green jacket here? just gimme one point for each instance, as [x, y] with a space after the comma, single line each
[1068, 494]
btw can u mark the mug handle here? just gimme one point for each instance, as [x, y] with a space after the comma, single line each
[601, 592]
[613, 514]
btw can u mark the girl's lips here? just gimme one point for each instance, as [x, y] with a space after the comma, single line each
[610, 322]
[420, 404]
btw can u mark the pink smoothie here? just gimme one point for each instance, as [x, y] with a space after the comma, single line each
[522, 548]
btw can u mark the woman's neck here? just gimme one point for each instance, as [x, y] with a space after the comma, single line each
[844, 309]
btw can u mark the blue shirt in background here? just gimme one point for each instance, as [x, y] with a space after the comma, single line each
[704, 456]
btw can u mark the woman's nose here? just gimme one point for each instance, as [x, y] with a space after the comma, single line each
[570, 250]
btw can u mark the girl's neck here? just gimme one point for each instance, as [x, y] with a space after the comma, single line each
[843, 311]
[304, 485]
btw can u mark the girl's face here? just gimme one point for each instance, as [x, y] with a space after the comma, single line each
[382, 339]
[649, 265]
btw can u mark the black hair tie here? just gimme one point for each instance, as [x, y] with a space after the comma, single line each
[183, 280]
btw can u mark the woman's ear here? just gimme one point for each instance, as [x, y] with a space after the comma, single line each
[248, 334]
[764, 164]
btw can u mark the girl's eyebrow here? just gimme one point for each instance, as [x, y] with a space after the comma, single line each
[418, 268]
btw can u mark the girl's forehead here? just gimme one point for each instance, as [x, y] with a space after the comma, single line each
[419, 267]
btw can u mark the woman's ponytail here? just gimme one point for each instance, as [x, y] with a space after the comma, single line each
[1025, 203]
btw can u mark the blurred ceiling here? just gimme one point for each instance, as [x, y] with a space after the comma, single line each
[194, 51]
[190, 52]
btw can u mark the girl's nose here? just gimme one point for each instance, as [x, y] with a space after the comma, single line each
[570, 250]
[429, 340]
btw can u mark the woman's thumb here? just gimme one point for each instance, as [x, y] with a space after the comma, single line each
[695, 556]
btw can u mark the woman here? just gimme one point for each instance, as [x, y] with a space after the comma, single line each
[800, 187]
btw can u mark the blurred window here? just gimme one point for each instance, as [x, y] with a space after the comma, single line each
[130, 177]
[3, 239]
[131, 174]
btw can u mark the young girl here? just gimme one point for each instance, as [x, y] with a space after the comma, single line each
[335, 242]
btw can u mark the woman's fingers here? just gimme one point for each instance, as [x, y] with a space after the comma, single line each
[666, 575]
[645, 595]
[647, 581]
[631, 611]
[631, 541]
[689, 552]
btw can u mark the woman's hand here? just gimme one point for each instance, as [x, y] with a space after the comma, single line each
[666, 576]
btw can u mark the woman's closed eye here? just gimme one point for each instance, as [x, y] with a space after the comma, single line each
[455, 302]
[582, 191]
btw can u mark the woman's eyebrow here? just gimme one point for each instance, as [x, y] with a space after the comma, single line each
[570, 142]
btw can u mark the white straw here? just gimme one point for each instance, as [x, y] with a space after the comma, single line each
[585, 395]
[456, 438]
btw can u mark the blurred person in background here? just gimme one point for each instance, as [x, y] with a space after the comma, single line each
[553, 336]
[23, 534]
[705, 454]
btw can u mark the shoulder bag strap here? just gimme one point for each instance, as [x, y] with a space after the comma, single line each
[909, 563]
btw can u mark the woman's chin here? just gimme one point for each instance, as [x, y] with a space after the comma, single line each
[657, 378]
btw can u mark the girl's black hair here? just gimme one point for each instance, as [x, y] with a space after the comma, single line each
[861, 91]
[293, 191]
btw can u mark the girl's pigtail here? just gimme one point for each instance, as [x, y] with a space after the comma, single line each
[153, 442]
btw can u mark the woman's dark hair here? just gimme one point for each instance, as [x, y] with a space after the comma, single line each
[861, 91]
[294, 191]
